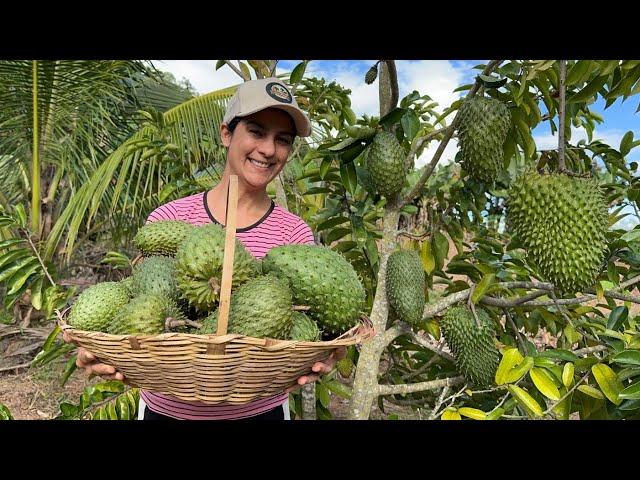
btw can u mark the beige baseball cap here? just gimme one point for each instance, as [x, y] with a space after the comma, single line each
[256, 95]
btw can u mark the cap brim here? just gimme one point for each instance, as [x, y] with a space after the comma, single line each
[301, 121]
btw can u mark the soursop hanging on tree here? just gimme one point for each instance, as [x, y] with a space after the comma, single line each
[405, 285]
[321, 279]
[161, 237]
[561, 221]
[95, 307]
[483, 128]
[476, 355]
[199, 266]
[385, 162]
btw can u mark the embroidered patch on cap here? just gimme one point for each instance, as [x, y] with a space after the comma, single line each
[278, 92]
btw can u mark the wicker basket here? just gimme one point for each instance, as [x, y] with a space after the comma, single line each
[214, 369]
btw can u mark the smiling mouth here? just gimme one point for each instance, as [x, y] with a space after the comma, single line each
[259, 164]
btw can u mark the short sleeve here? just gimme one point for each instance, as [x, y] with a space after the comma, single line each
[302, 234]
[163, 212]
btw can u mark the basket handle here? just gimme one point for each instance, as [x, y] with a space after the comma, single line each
[229, 252]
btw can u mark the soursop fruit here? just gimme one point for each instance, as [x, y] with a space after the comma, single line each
[483, 128]
[260, 308]
[155, 275]
[406, 285]
[561, 221]
[199, 266]
[385, 162]
[145, 314]
[321, 279]
[95, 307]
[127, 284]
[161, 237]
[476, 355]
[304, 328]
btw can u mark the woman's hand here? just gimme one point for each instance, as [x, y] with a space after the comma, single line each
[87, 361]
[321, 368]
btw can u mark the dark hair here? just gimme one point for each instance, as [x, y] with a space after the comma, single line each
[234, 123]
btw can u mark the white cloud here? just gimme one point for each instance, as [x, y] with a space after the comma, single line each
[201, 73]
[610, 136]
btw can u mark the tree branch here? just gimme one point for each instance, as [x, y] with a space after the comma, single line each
[443, 144]
[35, 250]
[515, 329]
[553, 405]
[401, 328]
[588, 350]
[419, 387]
[561, 114]
[237, 70]
[393, 77]
[421, 140]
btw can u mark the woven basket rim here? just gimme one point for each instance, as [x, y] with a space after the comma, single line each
[362, 331]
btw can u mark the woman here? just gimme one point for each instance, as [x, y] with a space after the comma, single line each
[258, 130]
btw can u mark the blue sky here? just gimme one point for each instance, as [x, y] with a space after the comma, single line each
[436, 78]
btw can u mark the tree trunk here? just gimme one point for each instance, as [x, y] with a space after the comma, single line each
[308, 393]
[365, 384]
[388, 82]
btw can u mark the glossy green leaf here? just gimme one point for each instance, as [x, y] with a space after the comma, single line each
[332, 222]
[567, 374]
[626, 143]
[608, 382]
[5, 414]
[482, 287]
[450, 415]
[392, 117]
[426, 255]
[298, 73]
[632, 392]
[544, 383]
[591, 391]
[410, 124]
[519, 371]
[492, 82]
[589, 90]
[627, 357]
[559, 354]
[617, 317]
[440, 249]
[322, 394]
[525, 400]
[495, 414]
[577, 72]
[339, 389]
[473, 413]
[510, 358]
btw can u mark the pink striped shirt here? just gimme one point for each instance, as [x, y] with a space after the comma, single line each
[276, 227]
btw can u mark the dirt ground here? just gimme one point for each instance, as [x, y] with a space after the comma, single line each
[35, 393]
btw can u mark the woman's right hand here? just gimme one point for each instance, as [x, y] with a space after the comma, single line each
[87, 361]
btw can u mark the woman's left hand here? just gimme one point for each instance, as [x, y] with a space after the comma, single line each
[321, 368]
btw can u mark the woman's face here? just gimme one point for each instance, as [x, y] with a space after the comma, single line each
[259, 146]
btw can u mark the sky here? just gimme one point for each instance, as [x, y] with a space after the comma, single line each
[436, 78]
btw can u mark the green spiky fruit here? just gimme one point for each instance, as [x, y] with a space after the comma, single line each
[145, 314]
[473, 347]
[155, 275]
[405, 285]
[386, 164]
[304, 328]
[161, 237]
[95, 307]
[345, 367]
[483, 128]
[321, 279]
[371, 75]
[260, 308]
[562, 222]
[199, 266]
[127, 284]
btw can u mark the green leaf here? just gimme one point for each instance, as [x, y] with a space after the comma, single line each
[12, 241]
[36, 293]
[440, 249]
[559, 354]
[626, 142]
[337, 234]
[627, 357]
[298, 73]
[577, 71]
[344, 246]
[69, 368]
[344, 144]
[544, 383]
[325, 166]
[495, 414]
[608, 382]
[245, 69]
[525, 400]
[472, 413]
[323, 394]
[5, 414]
[632, 392]
[393, 117]
[589, 90]
[492, 82]
[519, 371]
[450, 415]
[332, 222]
[19, 278]
[349, 177]
[617, 317]
[567, 374]
[16, 266]
[591, 391]
[426, 255]
[339, 389]
[69, 410]
[631, 235]
[220, 63]
[122, 408]
[410, 124]
[482, 287]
